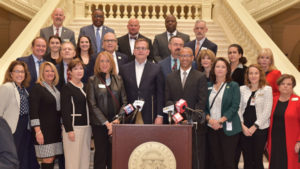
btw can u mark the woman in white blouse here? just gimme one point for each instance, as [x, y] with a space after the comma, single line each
[255, 109]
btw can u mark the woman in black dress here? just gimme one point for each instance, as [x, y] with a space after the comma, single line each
[84, 52]
[44, 101]
[75, 114]
[106, 96]
[54, 44]
[284, 131]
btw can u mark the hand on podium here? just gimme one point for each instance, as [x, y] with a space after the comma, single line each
[158, 120]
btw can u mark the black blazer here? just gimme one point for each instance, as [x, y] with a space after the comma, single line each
[207, 44]
[31, 67]
[151, 85]
[194, 92]
[124, 46]
[121, 58]
[61, 74]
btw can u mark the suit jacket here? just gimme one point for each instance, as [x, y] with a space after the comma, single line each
[230, 106]
[124, 46]
[292, 129]
[61, 74]
[206, 44]
[122, 59]
[31, 67]
[9, 157]
[238, 75]
[150, 88]
[160, 45]
[67, 35]
[263, 105]
[194, 91]
[90, 32]
[271, 78]
[10, 106]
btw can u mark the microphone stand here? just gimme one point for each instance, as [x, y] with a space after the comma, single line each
[134, 114]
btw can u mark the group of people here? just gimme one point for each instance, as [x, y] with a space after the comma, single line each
[62, 94]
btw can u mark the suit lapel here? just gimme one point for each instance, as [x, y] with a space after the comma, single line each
[147, 68]
[92, 36]
[165, 37]
[16, 93]
[133, 74]
[178, 80]
[188, 79]
[127, 45]
[63, 34]
[32, 67]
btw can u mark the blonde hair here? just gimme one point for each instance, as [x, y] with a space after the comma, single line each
[41, 79]
[97, 68]
[267, 52]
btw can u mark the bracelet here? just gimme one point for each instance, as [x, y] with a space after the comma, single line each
[39, 132]
[220, 122]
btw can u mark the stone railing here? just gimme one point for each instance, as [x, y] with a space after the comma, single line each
[262, 10]
[24, 8]
[154, 9]
[22, 44]
[241, 28]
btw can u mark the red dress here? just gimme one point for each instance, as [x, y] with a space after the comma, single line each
[292, 129]
[271, 78]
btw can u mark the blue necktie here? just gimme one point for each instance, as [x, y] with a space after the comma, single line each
[98, 40]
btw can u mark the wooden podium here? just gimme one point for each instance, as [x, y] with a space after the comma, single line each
[127, 137]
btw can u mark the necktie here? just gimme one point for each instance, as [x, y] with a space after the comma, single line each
[39, 62]
[197, 48]
[170, 35]
[133, 37]
[174, 68]
[98, 40]
[184, 78]
[57, 32]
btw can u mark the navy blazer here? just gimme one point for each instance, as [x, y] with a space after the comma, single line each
[121, 58]
[124, 47]
[207, 44]
[31, 67]
[150, 88]
[90, 32]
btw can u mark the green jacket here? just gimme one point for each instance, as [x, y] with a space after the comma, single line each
[230, 106]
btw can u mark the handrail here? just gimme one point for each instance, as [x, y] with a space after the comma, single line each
[240, 27]
[23, 42]
[262, 10]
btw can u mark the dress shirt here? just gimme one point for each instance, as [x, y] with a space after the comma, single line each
[65, 72]
[37, 65]
[215, 111]
[139, 69]
[172, 62]
[173, 34]
[100, 31]
[59, 30]
[187, 73]
[200, 45]
[116, 62]
[132, 42]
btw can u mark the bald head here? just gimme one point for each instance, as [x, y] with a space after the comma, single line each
[58, 17]
[133, 26]
[110, 42]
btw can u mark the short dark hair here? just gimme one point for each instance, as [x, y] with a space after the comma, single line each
[73, 64]
[286, 76]
[54, 37]
[175, 37]
[78, 49]
[243, 59]
[33, 41]
[141, 40]
[212, 71]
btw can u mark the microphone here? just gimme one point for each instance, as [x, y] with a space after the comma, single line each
[170, 111]
[126, 110]
[138, 104]
[181, 107]
[177, 117]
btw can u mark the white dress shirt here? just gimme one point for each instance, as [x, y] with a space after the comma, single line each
[59, 30]
[181, 73]
[132, 42]
[139, 69]
[200, 45]
[215, 111]
[173, 34]
[37, 65]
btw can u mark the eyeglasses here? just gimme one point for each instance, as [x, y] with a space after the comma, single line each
[98, 16]
[141, 48]
[186, 56]
[110, 40]
[19, 71]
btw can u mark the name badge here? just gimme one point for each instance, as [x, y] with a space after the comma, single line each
[119, 57]
[252, 101]
[204, 48]
[101, 86]
[228, 126]
[295, 99]
[66, 40]
[209, 88]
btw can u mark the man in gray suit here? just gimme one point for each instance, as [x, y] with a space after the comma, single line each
[57, 28]
[160, 44]
[96, 31]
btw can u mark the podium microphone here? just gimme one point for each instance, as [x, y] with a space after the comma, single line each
[170, 111]
[138, 104]
[181, 106]
[126, 110]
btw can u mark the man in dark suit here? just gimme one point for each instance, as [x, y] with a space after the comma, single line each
[143, 81]
[201, 42]
[190, 84]
[172, 63]
[109, 44]
[33, 61]
[67, 53]
[58, 29]
[160, 44]
[96, 31]
[126, 42]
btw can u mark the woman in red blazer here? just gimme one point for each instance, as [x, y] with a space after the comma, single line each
[266, 60]
[284, 131]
